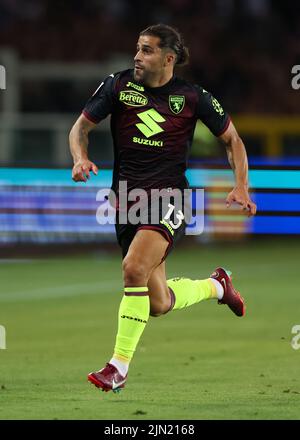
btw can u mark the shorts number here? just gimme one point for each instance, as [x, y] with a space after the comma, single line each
[179, 216]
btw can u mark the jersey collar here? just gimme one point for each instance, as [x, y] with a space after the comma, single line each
[160, 89]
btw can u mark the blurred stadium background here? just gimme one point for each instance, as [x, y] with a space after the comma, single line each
[55, 54]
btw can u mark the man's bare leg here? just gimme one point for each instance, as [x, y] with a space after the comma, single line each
[159, 293]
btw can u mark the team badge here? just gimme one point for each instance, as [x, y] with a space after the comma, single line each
[176, 103]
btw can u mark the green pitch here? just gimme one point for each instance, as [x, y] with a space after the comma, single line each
[199, 363]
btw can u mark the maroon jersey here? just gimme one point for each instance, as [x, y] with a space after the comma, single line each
[152, 128]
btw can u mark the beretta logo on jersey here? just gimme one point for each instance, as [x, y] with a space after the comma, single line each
[133, 98]
[176, 103]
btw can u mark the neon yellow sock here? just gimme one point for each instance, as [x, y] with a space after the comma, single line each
[133, 316]
[188, 292]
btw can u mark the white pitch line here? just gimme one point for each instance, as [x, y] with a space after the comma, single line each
[62, 291]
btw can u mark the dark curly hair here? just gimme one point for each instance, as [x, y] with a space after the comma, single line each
[169, 38]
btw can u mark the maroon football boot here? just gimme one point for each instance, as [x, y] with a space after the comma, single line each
[109, 379]
[231, 297]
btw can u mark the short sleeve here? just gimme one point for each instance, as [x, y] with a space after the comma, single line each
[211, 113]
[101, 103]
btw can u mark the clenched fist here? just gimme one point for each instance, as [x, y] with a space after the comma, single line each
[241, 196]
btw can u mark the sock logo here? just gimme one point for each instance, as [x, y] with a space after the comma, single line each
[177, 278]
[135, 319]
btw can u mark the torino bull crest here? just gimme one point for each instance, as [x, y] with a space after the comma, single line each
[176, 103]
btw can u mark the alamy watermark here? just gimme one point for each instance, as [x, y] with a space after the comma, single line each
[295, 342]
[2, 337]
[166, 208]
[2, 78]
[296, 79]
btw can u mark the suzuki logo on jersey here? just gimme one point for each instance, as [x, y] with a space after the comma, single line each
[151, 143]
[133, 98]
[176, 103]
[150, 120]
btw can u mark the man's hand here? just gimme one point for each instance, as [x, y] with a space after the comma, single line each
[81, 170]
[241, 196]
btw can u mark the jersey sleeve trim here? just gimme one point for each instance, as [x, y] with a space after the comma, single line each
[90, 117]
[225, 126]
[102, 102]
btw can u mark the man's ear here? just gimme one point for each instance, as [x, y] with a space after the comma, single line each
[170, 59]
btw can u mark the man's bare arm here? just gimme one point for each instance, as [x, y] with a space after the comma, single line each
[237, 158]
[78, 139]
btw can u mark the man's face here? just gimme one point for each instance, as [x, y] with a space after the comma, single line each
[149, 60]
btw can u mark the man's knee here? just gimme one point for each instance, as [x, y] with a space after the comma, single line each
[135, 272]
[158, 308]
[156, 313]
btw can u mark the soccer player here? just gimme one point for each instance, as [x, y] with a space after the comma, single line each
[153, 116]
